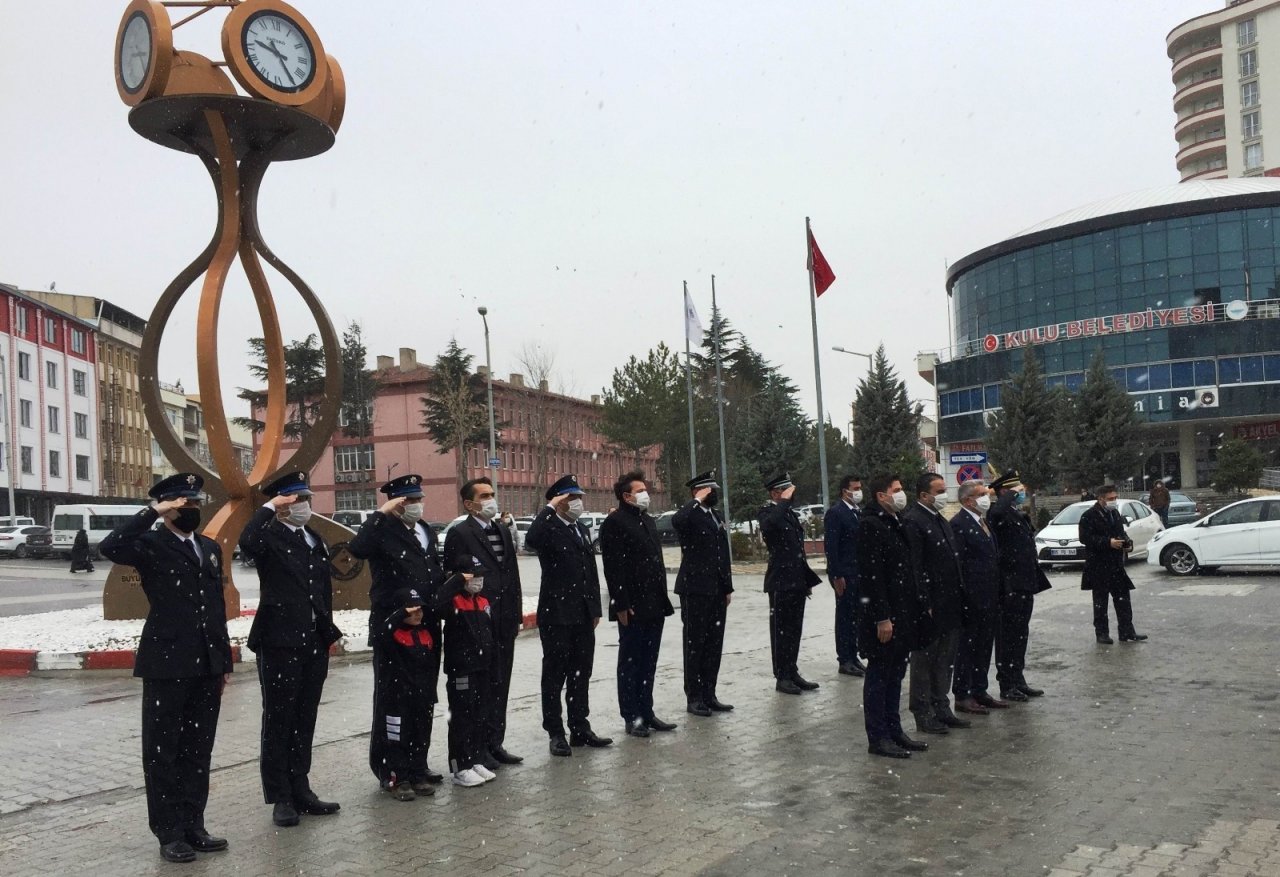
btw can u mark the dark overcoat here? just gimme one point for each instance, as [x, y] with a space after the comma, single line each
[633, 567]
[890, 588]
[1103, 565]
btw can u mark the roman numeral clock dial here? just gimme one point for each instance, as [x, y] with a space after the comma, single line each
[274, 53]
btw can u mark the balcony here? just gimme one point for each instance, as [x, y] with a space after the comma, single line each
[190, 426]
[1212, 173]
[1196, 60]
[1196, 120]
[1198, 89]
[1205, 149]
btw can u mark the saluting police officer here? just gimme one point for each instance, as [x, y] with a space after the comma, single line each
[401, 550]
[788, 581]
[291, 635]
[705, 588]
[184, 658]
[1020, 580]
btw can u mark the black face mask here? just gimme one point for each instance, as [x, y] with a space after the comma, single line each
[713, 499]
[187, 520]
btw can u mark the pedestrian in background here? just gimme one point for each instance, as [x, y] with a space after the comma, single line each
[1159, 500]
[840, 543]
[788, 581]
[80, 556]
[1106, 547]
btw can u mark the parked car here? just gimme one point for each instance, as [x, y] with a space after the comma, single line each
[666, 528]
[32, 541]
[1182, 508]
[352, 519]
[96, 520]
[1059, 542]
[1245, 533]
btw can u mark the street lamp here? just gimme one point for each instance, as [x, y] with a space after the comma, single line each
[391, 466]
[493, 431]
[839, 349]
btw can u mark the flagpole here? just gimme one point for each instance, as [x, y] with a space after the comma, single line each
[724, 456]
[688, 386]
[817, 367]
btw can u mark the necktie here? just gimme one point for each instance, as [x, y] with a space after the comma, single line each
[191, 549]
[984, 527]
[577, 535]
[302, 534]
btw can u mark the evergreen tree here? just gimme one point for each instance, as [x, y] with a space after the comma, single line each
[886, 425]
[360, 385]
[1240, 466]
[646, 405]
[1022, 433]
[1099, 430]
[840, 462]
[304, 385]
[455, 409]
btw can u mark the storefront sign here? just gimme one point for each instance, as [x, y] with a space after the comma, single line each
[1137, 321]
[1256, 432]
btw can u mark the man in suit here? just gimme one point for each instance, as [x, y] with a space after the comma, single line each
[291, 635]
[401, 550]
[636, 576]
[568, 613]
[941, 578]
[482, 545]
[840, 538]
[980, 568]
[788, 580]
[705, 587]
[184, 659]
[1106, 545]
[1020, 580]
[894, 604]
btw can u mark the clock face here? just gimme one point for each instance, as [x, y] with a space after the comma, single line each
[278, 51]
[135, 52]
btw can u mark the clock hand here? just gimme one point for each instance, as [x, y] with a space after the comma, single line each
[279, 57]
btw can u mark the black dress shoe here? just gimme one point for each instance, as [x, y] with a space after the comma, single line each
[951, 720]
[930, 725]
[990, 702]
[637, 728]
[907, 743]
[717, 706]
[490, 763]
[203, 842]
[1014, 694]
[698, 708]
[1105, 639]
[177, 851]
[1133, 638]
[284, 815]
[805, 684]
[505, 757]
[656, 724]
[434, 778]
[850, 669]
[589, 738]
[888, 749]
[786, 686]
[423, 789]
[313, 806]
[560, 746]
[1031, 692]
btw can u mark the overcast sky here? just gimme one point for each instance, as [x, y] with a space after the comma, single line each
[569, 164]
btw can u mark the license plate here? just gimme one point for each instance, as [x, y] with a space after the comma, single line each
[1062, 552]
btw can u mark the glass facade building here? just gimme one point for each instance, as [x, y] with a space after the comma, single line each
[1177, 287]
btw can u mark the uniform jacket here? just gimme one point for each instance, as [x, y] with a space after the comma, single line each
[887, 578]
[397, 561]
[570, 592]
[1103, 565]
[938, 566]
[979, 562]
[1016, 543]
[297, 593]
[468, 542]
[634, 570]
[704, 551]
[470, 643]
[185, 634]
[783, 533]
[840, 541]
[408, 662]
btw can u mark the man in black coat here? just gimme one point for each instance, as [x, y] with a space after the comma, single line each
[291, 635]
[1020, 580]
[1106, 545]
[894, 605]
[637, 580]
[184, 659]
[705, 587]
[482, 545]
[568, 613]
[980, 567]
[401, 550]
[840, 540]
[788, 581]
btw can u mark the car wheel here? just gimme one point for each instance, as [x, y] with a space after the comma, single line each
[1180, 560]
[20, 552]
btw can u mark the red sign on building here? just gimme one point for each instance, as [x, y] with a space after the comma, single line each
[1256, 432]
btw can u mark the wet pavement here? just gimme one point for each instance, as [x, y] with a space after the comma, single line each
[1159, 758]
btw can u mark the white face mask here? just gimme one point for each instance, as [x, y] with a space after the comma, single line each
[300, 513]
[574, 510]
[984, 503]
[899, 500]
[1114, 505]
[940, 502]
[412, 513]
[855, 497]
[488, 509]
[640, 500]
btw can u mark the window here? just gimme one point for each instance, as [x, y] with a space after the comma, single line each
[24, 365]
[55, 464]
[20, 316]
[25, 454]
[1246, 32]
[1244, 513]
[82, 426]
[1249, 95]
[1249, 62]
[355, 500]
[24, 413]
[54, 420]
[78, 381]
[77, 340]
[1252, 156]
[51, 375]
[1251, 124]
[2, 457]
[82, 467]
[352, 458]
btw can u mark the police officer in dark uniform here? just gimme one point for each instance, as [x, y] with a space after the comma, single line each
[568, 613]
[401, 550]
[705, 588]
[291, 635]
[1020, 580]
[788, 581]
[184, 658]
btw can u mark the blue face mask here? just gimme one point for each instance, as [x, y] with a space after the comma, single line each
[1020, 497]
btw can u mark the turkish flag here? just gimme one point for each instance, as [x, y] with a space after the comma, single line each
[823, 276]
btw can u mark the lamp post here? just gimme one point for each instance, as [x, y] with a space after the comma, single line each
[390, 467]
[868, 356]
[493, 431]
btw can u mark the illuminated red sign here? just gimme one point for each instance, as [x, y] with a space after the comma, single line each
[1137, 321]
[1257, 432]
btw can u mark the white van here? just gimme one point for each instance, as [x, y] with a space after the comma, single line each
[19, 521]
[352, 519]
[96, 520]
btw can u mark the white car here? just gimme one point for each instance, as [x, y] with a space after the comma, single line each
[1245, 533]
[1059, 542]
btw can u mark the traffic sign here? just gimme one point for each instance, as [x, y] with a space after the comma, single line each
[494, 461]
[968, 472]
[979, 457]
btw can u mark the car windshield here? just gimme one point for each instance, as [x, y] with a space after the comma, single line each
[1070, 515]
[1180, 497]
[8, 529]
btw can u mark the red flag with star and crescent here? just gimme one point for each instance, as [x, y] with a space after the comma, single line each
[823, 276]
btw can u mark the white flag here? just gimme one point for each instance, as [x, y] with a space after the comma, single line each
[692, 325]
